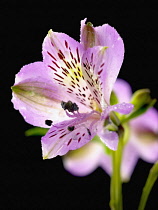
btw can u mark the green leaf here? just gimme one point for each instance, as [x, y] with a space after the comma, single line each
[36, 131]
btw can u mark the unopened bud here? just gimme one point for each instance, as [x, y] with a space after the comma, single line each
[142, 101]
[140, 98]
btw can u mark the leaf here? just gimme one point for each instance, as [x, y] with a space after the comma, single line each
[36, 131]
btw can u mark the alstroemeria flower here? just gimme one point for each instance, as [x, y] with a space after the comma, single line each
[142, 143]
[70, 89]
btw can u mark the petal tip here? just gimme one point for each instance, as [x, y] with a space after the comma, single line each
[50, 32]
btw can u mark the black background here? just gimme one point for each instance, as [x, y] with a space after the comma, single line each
[28, 182]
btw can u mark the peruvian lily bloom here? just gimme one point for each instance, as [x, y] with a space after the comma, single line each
[142, 143]
[69, 91]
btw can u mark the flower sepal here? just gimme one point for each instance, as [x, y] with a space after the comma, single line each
[36, 131]
[88, 35]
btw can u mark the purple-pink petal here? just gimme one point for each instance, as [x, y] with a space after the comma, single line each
[109, 138]
[67, 135]
[123, 108]
[63, 55]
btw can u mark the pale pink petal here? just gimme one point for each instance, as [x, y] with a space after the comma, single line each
[147, 121]
[83, 161]
[38, 99]
[123, 90]
[63, 55]
[59, 139]
[146, 147]
[145, 135]
[31, 71]
[106, 163]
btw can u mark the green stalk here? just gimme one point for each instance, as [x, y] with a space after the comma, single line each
[116, 183]
[153, 175]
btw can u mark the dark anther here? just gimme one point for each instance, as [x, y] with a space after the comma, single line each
[71, 128]
[48, 122]
[88, 131]
[71, 107]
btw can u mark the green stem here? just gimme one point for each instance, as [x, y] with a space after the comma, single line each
[116, 183]
[153, 175]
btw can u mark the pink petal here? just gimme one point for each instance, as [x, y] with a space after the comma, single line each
[108, 36]
[63, 55]
[123, 90]
[129, 161]
[145, 135]
[123, 108]
[106, 163]
[39, 99]
[147, 148]
[59, 139]
[31, 71]
[83, 161]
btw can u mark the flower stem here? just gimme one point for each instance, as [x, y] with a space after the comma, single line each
[153, 175]
[116, 183]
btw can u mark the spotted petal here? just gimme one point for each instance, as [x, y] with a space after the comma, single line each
[93, 66]
[67, 135]
[36, 96]
[107, 36]
[63, 55]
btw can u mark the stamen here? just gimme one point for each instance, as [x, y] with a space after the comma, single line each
[71, 107]
[71, 128]
[48, 122]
